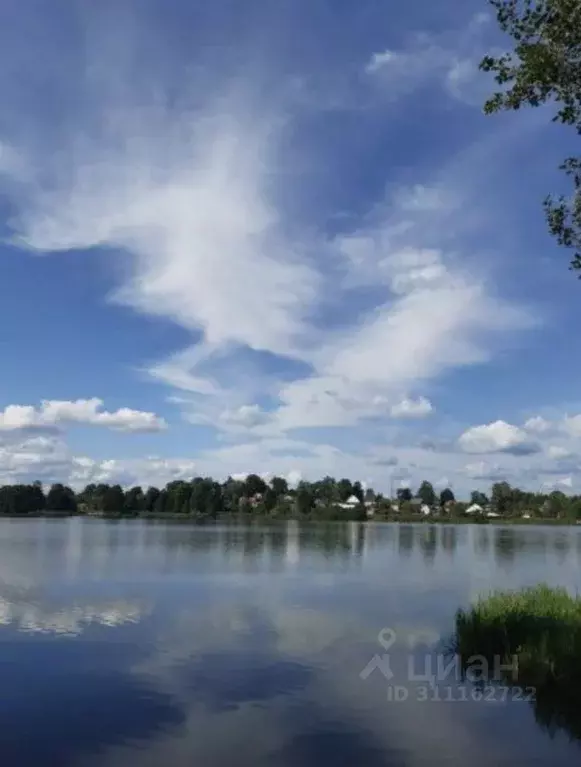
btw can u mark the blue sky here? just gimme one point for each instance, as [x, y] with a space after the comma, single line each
[277, 237]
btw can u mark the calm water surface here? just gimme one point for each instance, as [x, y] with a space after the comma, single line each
[153, 644]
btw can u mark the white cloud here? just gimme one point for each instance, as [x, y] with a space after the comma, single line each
[571, 425]
[558, 452]
[380, 60]
[293, 477]
[409, 408]
[462, 76]
[18, 417]
[451, 59]
[411, 339]
[245, 416]
[436, 316]
[485, 471]
[538, 424]
[145, 471]
[403, 70]
[190, 201]
[44, 458]
[497, 437]
[50, 459]
[420, 197]
[53, 413]
[565, 427]
[560, 482]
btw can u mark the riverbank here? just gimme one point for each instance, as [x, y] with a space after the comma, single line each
[250, 518]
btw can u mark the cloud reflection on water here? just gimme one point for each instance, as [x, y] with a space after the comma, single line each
[247, 643]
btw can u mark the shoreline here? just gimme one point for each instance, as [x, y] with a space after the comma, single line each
[261, 519]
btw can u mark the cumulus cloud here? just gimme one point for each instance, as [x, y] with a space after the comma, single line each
[150, 470]
[558, 452]
[497, 437]
[571, 425]
[53, 413]
[538, 424]
[409, 408]
[568, 426]
[50, 459]
[43, 458]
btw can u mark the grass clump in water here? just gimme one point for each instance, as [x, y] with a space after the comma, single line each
[540, 627]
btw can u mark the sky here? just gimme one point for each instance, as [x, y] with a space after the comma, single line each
[277, 237]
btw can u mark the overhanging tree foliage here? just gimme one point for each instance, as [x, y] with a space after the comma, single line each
[544, 68]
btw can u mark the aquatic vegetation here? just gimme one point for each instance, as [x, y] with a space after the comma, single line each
[538, 631]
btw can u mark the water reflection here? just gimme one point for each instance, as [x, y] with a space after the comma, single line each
[182, 644]
[98, 550]
[61, 702]
[429, 540]
[482, 540]
[30, 617]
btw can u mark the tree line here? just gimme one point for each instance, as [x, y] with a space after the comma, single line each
[202, 496]
[328, 498]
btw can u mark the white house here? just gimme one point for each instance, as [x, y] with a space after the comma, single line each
[475, 508]
[425, 510]
[492, 515]
[350, 503]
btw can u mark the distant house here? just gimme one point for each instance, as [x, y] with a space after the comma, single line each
[475, 508]
[370, 508]
[350, 503]
[425, 510]
[492, 514]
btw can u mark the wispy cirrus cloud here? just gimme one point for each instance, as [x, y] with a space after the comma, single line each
[208, 249]
[290, 324]
[449, 59]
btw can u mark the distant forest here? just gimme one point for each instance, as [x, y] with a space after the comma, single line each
[328, 498]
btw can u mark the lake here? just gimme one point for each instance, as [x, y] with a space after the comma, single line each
[147, 643]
